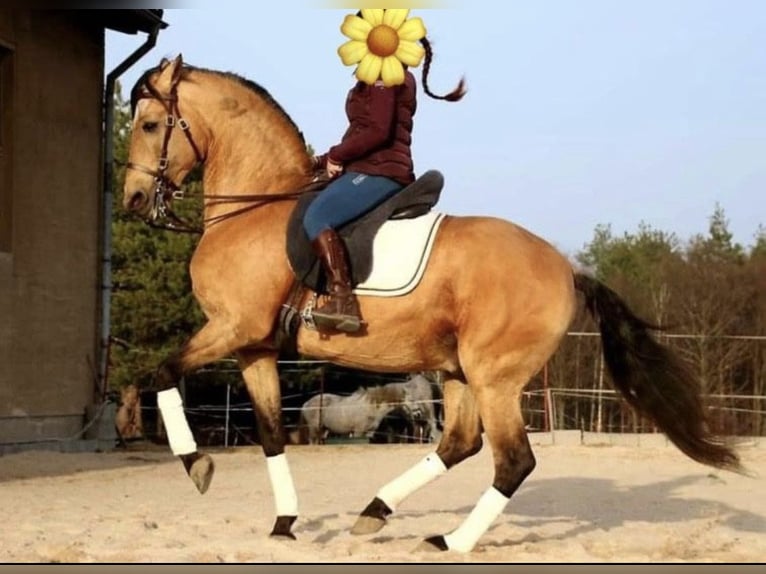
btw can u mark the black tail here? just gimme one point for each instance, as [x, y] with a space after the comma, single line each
[651, 378]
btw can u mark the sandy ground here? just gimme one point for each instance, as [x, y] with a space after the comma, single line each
[582, 504]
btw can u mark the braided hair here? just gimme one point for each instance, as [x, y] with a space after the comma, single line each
[456, 94]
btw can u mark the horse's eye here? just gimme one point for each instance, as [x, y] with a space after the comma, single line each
[149, 127]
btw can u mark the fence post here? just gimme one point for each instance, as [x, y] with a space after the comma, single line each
[551, 415]
[226, 428]
[600, 403]
[546, 400]
[321, 400]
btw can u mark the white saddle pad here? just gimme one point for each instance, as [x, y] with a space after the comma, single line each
[400, 253]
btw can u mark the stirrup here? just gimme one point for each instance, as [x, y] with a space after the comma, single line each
[343, 323]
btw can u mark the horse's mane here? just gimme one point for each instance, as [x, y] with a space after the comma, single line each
[257, 89]
[381, 394]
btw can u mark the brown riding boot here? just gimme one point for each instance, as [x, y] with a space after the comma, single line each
[341, 311]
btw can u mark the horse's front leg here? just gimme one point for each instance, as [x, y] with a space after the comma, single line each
[214, 341]
[259, 370]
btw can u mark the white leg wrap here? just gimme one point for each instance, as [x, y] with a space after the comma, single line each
[489, 507]
[179, 434]
[285, 496]
[416, 477]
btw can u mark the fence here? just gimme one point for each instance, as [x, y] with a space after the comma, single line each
[554, 409]
[604, 410]
[224, 417]
[572, 392]
[395, 427]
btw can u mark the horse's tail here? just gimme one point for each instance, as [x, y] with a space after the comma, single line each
[652, 379]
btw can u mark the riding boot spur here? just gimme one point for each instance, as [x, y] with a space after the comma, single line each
[341, 310]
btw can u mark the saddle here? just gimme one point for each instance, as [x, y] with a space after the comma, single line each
[412, 201]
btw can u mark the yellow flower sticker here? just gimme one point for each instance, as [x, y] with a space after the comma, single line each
[380, 42]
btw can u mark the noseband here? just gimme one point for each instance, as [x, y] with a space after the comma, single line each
[165, 190]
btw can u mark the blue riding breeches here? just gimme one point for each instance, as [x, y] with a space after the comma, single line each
[345, 199]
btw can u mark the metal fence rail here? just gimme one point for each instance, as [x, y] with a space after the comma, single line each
[544, 410]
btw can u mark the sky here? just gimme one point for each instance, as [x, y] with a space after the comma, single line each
[578, 113]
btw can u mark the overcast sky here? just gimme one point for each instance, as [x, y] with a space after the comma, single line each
[578, 112]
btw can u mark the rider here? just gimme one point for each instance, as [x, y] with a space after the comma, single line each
[371, 163]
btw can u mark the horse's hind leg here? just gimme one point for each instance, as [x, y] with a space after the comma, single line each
[260, 373]
[460, 439]
[317, 434]
[499, 407]
[212, 342]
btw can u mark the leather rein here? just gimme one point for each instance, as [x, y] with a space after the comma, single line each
[162, 215]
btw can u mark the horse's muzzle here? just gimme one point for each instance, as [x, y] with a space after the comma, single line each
[137, 202]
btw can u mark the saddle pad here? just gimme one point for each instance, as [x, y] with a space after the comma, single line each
[400, 253]
[358, 235]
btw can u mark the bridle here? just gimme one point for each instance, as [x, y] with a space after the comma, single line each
[161, 214]
[165, 190]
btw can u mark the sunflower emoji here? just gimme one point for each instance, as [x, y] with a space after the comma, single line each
[381, 40]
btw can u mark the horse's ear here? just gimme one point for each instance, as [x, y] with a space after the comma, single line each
[170, 73]
[178, 65]
[164, 63]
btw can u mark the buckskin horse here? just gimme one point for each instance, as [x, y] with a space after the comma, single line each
[490, 309]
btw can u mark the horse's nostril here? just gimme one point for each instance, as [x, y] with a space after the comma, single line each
[137, 201]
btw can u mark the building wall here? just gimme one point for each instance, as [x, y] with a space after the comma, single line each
[49, 275]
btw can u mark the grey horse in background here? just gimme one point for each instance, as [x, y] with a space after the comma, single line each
[427, 395]
[360, 413]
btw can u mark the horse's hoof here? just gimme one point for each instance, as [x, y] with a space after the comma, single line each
[432, 544]
[283, 536]
[372, 518]
[282, 527]
[201, 472]
[368, 525]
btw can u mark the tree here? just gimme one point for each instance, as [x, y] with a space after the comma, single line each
[153, 310]
[715, 296]
[756, 315]
[758, 252]
[718, 245]
[710, 288]
[636, 265]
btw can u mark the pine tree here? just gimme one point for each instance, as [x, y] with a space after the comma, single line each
[153, 310]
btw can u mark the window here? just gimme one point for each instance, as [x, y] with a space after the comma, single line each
[6, 182]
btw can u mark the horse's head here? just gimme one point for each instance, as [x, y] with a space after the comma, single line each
[416, 412]
[411, 404]
[162, 147]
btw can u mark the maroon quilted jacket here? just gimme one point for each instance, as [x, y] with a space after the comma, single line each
[378, 138]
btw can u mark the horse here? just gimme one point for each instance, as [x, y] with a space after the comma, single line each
[492, 306]
[357, 414]
[128, 420]
[361, 412]
[427, 394]
[399, 426]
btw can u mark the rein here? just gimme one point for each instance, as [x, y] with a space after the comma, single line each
[257, 200]
[162, 215]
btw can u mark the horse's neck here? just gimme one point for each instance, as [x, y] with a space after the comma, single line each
[361, 395]
[416, 387]
[253, 150]
[396, 389]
